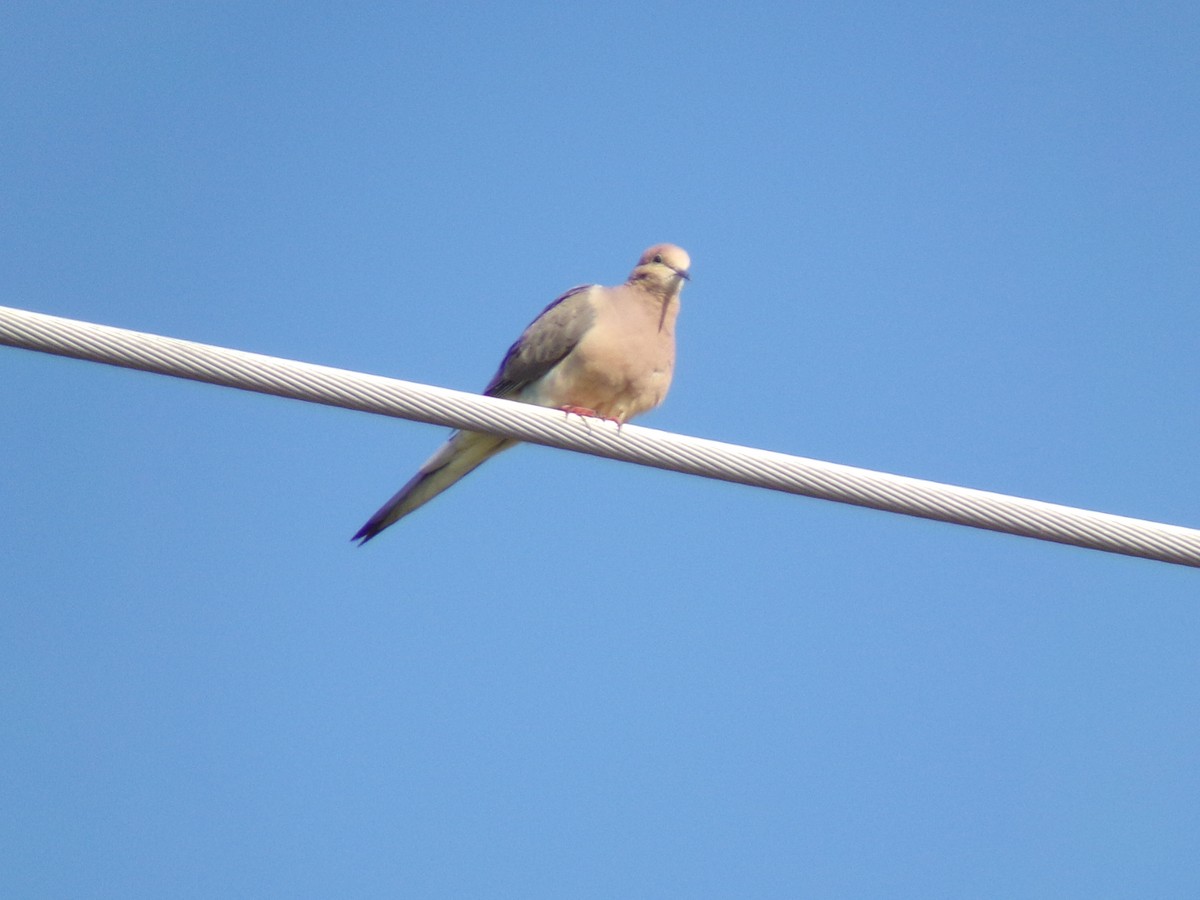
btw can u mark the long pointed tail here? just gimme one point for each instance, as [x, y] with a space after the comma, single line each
[465, 451]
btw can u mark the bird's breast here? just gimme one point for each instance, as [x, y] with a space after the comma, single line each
[621, 368]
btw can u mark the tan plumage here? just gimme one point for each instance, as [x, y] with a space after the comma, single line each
[609, 351]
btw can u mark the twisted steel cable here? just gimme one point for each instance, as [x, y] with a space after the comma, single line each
[630, 443]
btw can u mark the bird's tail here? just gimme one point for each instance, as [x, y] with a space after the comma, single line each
[465, 451]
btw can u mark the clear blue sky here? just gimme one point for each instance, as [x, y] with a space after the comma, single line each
[954, 241]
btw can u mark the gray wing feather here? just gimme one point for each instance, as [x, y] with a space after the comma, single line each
[544, 344]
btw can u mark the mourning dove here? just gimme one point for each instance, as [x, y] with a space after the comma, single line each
[598, 351]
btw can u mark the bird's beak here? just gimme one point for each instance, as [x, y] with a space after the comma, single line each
[683, 273]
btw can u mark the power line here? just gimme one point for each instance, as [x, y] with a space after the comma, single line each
[631, 443]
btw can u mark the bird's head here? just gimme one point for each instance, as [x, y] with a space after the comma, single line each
[664, 267]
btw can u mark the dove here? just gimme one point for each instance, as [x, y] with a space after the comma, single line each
[597, 351]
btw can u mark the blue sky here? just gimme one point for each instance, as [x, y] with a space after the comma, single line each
[951, 241]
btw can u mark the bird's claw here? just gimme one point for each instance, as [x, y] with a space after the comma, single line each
[584, 413]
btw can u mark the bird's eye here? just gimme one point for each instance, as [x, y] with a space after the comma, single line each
[658, 257]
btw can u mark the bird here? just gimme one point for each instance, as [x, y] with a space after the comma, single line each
[607, 352]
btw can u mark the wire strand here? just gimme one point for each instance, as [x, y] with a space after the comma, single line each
[630, 443]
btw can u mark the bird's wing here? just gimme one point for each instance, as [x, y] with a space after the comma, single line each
[545, 343]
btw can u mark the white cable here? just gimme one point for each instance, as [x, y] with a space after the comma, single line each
[695, 456]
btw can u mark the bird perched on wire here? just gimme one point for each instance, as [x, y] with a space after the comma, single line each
[595, 351]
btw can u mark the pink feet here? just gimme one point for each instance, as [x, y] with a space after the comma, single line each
[583, 411]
